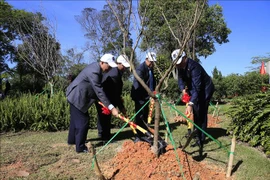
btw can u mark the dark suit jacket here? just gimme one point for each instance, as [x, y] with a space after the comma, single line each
[86, 88]
[199, 84]
[138, 93]
[112, 84]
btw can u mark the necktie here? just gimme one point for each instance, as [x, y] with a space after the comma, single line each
[151, 80]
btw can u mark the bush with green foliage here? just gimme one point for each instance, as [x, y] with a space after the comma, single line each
[36, 113]
[241, 85]
[126, 88]
[42, 112]
[220, 90]
[251, 120]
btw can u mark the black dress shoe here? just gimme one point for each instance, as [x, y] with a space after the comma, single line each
[105, 137]
[85, 150]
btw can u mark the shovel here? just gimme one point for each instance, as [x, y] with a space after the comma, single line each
[149, 136]
[189, 138]
[149, 119]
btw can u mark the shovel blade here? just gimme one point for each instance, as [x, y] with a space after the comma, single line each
[161, 144]
[189, 138]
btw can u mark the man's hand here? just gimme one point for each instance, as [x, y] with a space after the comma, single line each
[180, 119]
[115, 112]
[184, 91]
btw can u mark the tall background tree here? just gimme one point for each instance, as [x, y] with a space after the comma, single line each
[102, 30]
[29, 40]
[39, 48]
[220, 90]
[209, 31]
[257, 60]
[8, 34]
[74, 62]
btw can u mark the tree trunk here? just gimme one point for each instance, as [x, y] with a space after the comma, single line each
[157, 120]
[193, 48]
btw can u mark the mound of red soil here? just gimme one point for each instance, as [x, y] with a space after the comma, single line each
[137, 161]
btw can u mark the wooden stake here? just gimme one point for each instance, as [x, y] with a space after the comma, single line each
[92, 152]
[229, 171]
[218, 112]
[215, 110]
[176, 113]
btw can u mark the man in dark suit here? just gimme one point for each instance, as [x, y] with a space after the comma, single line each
[200, 87]
[82, 92]
[139, 95]
[112, 85]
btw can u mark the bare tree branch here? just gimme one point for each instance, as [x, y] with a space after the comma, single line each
[40, 50]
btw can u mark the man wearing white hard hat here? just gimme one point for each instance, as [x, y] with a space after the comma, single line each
[191, 75]
[82, 92]
[112, 85]
[139, 94]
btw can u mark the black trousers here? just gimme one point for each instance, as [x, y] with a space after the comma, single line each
[141, 116]
[78, 128]
[103, 123]
[200, 118]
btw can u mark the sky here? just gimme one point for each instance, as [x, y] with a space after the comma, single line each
[248, 20]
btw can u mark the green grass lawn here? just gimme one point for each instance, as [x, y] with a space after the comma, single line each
[45, 155]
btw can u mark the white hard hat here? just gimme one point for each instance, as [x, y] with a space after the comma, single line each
[109, 58]
[175, 55]
[151, 56]
[123, 60]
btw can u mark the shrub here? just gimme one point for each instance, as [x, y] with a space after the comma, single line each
[34, 113]
[30, 112]
[251, 120]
